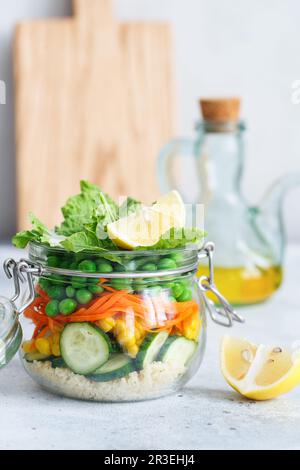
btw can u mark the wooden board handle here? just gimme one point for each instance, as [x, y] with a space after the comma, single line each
[93, 12]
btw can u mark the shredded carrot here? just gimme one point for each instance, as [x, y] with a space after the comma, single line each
[165, 315]
[110, 301]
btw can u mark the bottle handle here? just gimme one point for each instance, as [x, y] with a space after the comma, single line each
[223, 314]
[164, 164]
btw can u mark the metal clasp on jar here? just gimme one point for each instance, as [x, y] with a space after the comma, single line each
[223, 313]
[22, 273]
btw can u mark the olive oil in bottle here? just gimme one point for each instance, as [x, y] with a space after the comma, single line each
[242, 286]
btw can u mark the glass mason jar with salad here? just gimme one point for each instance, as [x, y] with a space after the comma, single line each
[116, 310]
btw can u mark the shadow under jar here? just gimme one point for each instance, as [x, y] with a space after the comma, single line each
[115, 326]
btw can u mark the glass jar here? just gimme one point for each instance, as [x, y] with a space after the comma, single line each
[118, 326]
[10, 332]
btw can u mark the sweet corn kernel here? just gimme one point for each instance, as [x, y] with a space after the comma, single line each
[129, 335]
[56, 338]
[43, 346]
[56, 350]
[133, 351]
[107, 324]
[130, 342]
[191, 327]
[28, 346]
[120, 326]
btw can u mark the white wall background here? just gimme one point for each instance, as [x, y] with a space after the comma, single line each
[242, 47]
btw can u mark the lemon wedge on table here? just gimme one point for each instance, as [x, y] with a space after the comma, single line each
[259, 372]
[146, 226]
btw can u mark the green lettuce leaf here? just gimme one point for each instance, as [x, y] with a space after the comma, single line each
[178, 238]
[40, 233]
[87, 241]
[84, 228]
[21, 239]
[81, 210]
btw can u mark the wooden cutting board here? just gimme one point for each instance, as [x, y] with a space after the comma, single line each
[94, 100]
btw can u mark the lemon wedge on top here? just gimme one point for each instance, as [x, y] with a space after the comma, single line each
[259, 372]
[145, 227]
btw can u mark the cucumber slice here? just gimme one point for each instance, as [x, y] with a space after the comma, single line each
[84, 348]
[177, 350]
[150, 348]
[117, 367]
[36, 356]
[115, 346]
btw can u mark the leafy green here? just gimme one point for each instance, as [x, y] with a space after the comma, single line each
[87, 206]
[87, 241]
[84, 227]
[178, 238]
[40, 233]
[21, 239]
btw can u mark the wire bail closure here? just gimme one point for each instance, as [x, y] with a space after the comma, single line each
[223, 314]
[23, 272]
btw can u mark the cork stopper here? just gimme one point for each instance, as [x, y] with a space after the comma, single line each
[221, 109]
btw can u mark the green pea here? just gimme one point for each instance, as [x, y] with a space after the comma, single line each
[78, 282]
[149, 267]
[177, 257]
[118, 268]
[168, 285]
[57, 280]
[73, 266]
[84, 296]
[96, 289]
[56, 292]
[121, 284]
[104, 267]
[140, 261]
[44, 284]
[79, 257]
[153, 280]
[93, 280]
[70, 291]
[64, 265]
[53, 262]
[185, 296]
[177, 289]
[67, 306]
[52, 308]
[87, 266]
[139, 284]
[167, 263]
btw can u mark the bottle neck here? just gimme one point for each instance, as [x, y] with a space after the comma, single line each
[220, 148]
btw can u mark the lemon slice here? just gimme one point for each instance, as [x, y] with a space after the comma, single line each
[259, 372]
[146, 226]
[172, 206]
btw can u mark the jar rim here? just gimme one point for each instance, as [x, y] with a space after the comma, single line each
[125, 253]
[132, 261]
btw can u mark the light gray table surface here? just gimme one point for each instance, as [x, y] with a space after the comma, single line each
[207, 414]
